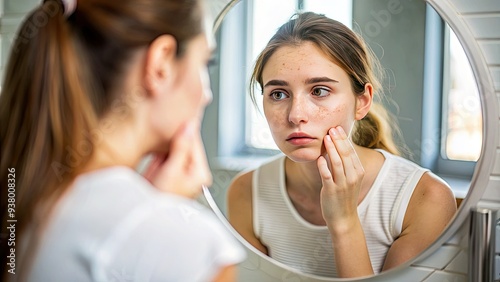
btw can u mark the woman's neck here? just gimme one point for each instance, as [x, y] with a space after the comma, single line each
[119, 146]
[303, 178]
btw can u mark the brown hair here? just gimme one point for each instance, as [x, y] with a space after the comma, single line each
[59, 82]
[348, 50]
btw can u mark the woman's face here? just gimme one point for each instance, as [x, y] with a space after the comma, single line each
[188, 93]
[193, 84]
[305, 94]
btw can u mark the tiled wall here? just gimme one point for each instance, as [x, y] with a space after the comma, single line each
[449, 262]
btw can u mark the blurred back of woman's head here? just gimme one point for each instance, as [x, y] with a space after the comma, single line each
[61, 79]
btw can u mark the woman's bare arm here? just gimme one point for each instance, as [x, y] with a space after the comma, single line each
[239, 209]
[429, 211]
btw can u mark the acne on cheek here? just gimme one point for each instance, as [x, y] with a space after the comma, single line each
[278, 121]
[326, 113]
[336, 116]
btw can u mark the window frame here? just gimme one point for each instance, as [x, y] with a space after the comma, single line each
[436, 78]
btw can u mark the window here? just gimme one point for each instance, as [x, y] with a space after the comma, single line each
[453, 126]
[264, 19]
[462, 120]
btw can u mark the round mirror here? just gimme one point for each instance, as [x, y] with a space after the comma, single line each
[437, 107]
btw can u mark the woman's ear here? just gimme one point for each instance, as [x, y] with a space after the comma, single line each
[159, 63]
[364, 102]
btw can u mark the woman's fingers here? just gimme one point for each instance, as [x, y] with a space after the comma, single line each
[185, 169]
[199, 163]
[347, 147]
[346, 167]
[324, 171]
[351, 163]
[180, 149]
[152, 168]
[337, 167]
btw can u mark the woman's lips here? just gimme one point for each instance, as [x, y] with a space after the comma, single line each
[299, 138]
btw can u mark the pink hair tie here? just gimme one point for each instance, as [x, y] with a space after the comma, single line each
[69, 7]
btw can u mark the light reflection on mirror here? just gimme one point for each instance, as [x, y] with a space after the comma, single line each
[462, 121]
[380, 23]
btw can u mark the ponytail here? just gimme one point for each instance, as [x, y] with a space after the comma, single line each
[375, 130]
[44, 112]
[61, 79]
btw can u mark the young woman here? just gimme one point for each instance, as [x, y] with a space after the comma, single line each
[340, 202]
[90, 89]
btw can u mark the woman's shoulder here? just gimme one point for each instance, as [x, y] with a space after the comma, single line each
[110, 179]
[121, 192]
[240, 188]
[400, 162]
[122, 218]
[241, 185]
[431, 186]
[172, 231]
[120, 196]
[432, 198]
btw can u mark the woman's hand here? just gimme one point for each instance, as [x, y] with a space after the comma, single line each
[184, 169]
[341, 173]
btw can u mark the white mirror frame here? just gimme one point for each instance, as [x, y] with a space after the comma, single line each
[450, 250]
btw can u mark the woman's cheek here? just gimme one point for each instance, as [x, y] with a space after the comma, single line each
[336, 116]
[277, 127]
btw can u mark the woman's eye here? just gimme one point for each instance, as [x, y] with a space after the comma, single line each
[278, 95]
[320, 92]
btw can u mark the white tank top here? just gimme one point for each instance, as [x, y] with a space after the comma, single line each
[292, 240]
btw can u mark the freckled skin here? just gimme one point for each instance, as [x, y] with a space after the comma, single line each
[301, 111]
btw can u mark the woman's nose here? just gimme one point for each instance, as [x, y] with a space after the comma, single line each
[298, 111]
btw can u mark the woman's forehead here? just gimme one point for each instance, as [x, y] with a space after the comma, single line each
[305, 58]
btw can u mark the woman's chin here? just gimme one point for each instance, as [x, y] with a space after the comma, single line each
[304, 155]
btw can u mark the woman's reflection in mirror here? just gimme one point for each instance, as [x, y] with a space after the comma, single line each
[340, 201]
[97, 87]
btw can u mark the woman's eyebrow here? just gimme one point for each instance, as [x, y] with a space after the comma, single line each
[276, 82]
[320, 79]
[312, 80]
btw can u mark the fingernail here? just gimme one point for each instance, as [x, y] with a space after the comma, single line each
[333, 132]
[328, 138]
